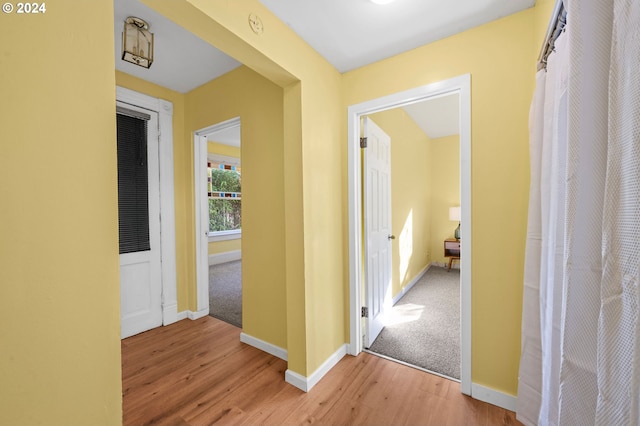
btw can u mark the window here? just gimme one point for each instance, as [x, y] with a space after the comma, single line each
[225, 195]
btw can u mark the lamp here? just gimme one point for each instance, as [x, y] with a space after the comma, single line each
[137, 42]
[454, 216]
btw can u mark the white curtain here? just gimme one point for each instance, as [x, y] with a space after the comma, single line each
[580, 359]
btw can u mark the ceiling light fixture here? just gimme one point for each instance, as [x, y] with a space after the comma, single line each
[381, 1]
[137, 42]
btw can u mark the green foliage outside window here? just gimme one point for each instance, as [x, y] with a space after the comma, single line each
[225, 213]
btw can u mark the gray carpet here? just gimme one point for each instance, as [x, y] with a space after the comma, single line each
[225, 292]
[425, 325]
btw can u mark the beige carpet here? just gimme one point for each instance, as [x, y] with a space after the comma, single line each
[225, 292]
[425, 325]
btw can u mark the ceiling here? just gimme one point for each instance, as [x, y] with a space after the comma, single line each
[437, 117]
[348, 33]
[354, 33]
[228, 136]
[181, 61]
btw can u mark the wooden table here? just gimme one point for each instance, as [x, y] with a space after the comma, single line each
[452, 250]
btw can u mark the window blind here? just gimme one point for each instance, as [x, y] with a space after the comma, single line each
[133, 191]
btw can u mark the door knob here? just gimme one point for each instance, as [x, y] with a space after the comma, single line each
[391, 237]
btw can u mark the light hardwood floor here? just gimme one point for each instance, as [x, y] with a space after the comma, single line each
[199, 373]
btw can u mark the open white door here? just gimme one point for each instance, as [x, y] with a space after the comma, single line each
[377, 225]
[139, 220]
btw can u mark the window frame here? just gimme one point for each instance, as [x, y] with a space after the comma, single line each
[233, 234]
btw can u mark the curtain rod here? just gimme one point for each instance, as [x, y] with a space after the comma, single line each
[556, 26]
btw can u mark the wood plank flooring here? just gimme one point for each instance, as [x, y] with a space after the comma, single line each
[199, 373]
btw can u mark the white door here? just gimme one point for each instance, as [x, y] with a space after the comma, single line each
[377, 223]
[139, 220]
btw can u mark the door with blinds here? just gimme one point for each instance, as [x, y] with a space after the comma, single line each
[139, 220]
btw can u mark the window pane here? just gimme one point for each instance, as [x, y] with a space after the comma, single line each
[225, 203]
[224, 215]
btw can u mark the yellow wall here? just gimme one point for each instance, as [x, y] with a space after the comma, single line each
[217, 247]
[498, 57]
[259, 104]
[59, 292]
[48, 367]
[314, 162]
[410, 195]
[182, 158]
[445, 175]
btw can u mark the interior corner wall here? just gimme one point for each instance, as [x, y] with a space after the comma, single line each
[315, 158]
[410, 196]
[183, 186]
[59, 266]
[259, 104]
[445, 175]
[498, 57]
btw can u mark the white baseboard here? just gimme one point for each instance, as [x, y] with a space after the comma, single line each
[264, 346]
[192, 315]
[228, 256]
[170, 314]
[411, 284]
[493, 396]
[306, 383]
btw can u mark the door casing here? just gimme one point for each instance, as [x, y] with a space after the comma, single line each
[202, 213]
[462, 86]
[167, 205]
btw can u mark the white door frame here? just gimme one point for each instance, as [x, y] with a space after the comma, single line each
[202, 213]
[462, 86]
[167, 203]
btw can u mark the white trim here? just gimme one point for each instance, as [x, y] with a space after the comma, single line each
[198, 314]
[492, 396]
[192, 315]
[201, 221]
[234, 234]
[462, 86]
[465, 233]
[182, 315]
[223, 159]
[306, 383]
[267, 347]
[224, 125]
[227, 256]
[411, 284]
[167, 202]
[169, 313]
[200, 156]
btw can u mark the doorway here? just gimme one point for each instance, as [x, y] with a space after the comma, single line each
[420, 325]
[461, 86]
[217, 160]
[142, 310]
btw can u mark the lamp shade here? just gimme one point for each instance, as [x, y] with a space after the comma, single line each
[454, 214]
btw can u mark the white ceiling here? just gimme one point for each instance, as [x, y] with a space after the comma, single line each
[181, 61]
[437, 117]
[228, 136]
[354, 33]
[348, 33]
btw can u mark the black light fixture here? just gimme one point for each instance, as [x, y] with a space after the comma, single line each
[137, 42]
